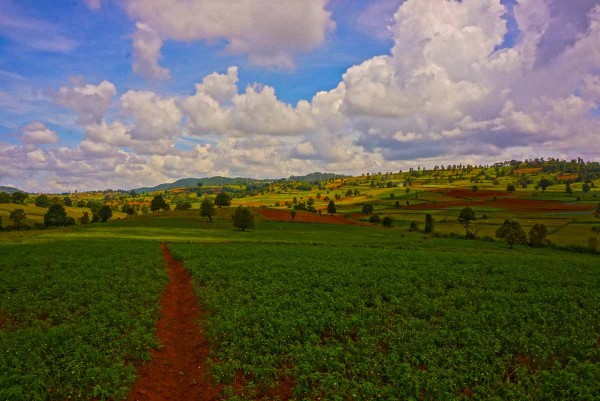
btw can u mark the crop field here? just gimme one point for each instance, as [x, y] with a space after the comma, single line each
[76, 316]
[339, 322]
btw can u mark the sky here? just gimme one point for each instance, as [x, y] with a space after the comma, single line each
[98, 94]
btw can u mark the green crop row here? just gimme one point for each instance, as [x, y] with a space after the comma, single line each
[377, 323]
[75, 316]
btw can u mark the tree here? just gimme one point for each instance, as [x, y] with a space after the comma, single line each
[597, 211]
[207, 209]
[42, 201]
[349, 193]
[17, 216]
[387, 221]
[158, 203]
[68, 202]
[475, 188]
[243, 218]
[1, 223]
[537, 235]
[85, 219]
[81, 203]
[375, 219]
[466, 216]
[428, 223]
[367, 209]
[4, 197]
[512, 232]
[293, 214]
[510, 188]
[104, 213]
[585, 188]
[56, 216]
[544, 183]
[128, 209]
[223, 199]
[181, 205]
[331, 209]
[413, 226]
[568, 188]
[18, 197]
[310, 202]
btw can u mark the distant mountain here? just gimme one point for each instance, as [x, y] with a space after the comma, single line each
[9, 190]
[316, 176]
[193, 182]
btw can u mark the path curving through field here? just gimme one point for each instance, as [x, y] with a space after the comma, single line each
[178, 370]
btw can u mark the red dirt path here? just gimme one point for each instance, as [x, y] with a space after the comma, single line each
[178, 371]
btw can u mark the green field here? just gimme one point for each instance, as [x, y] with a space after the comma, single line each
[76, 316]
[342, 312]
[383, 323]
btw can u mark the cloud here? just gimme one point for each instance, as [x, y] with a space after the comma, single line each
[154, 117]
[36, 133]
[269, 33]
[93, 5]
[217, 108]
[447, 91]
[146, 53]
[89, 102]
[32, 32]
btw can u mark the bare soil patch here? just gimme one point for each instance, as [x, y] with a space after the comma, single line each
[306, 217]
[179, 369]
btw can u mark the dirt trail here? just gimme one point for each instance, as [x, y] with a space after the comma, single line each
[178, 370]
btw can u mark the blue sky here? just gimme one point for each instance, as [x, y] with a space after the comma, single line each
[111, 84]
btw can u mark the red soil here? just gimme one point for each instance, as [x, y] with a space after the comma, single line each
[306, 217]
[567, 177]
[537, 205]
[178, 370]
[468, 193]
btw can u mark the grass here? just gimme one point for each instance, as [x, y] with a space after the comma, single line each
[382, 323]
[75, 316]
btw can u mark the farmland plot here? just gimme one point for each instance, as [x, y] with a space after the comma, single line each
[375, 323]
[76, 316]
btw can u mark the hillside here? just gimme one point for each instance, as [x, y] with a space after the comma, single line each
[206, 181]
[9, 190]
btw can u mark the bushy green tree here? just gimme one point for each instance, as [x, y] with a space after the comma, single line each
[223, 199]
[56, 216]
[85, 219]
[466, 216]
[17, 217]
[4, 197]
[104, 213]
[207, 209]
[243, 218]
[67, 201]
[375, 219]
[293, 214]
[537, 235]
[367, 209]
[428, 223]
[128, 209]
[387, 221]
[331, 209]
[158, 203]
[544, 183]
[18, 197]
[42, 201]
[510, 188]
[512, 232]
[183, 205]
